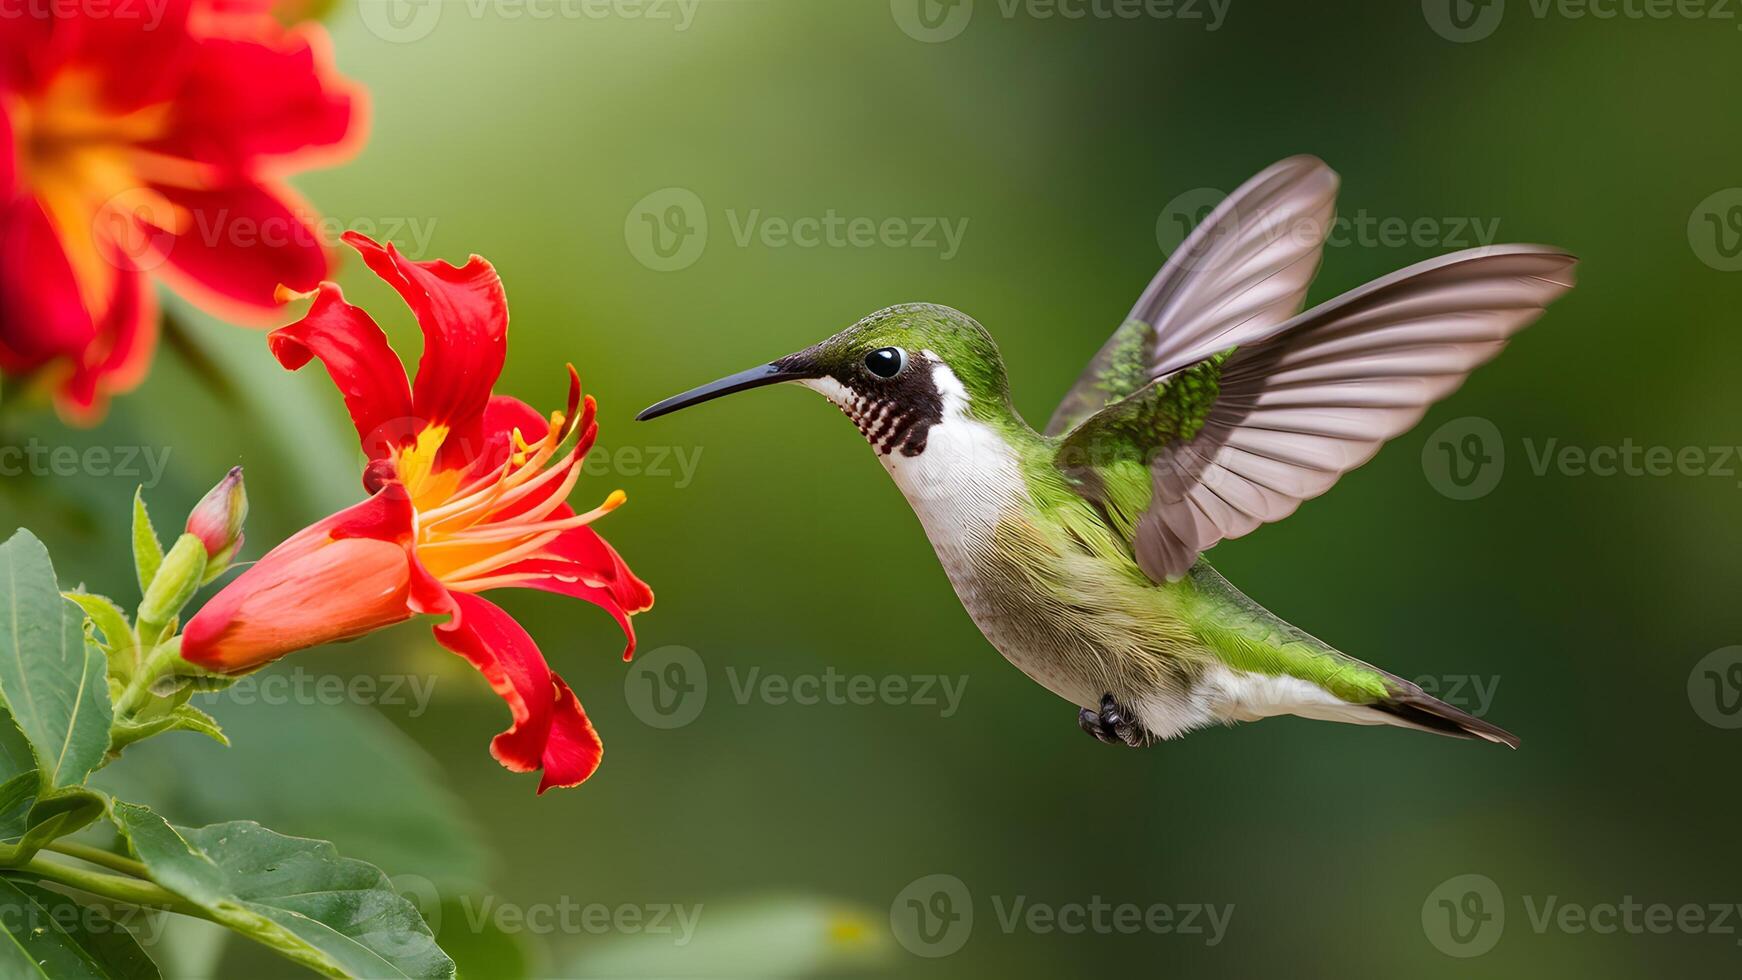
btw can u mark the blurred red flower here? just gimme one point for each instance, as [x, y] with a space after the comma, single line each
[469, 494]
[150, 137]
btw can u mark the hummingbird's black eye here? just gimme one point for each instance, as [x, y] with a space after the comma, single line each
[886, 362]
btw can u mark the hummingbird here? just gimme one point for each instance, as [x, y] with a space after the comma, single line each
[1217, 406]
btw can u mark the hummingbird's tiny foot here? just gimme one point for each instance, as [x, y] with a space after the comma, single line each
[1113, 724]
[1090, 721]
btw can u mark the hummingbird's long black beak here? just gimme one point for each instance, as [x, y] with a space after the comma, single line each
[757, 377]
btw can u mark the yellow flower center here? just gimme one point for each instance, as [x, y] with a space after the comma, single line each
[466, 534]
[88, 166]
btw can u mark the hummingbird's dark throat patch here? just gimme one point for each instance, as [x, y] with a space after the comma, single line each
[896, 413]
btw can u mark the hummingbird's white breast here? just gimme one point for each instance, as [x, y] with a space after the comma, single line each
[966, 478]
[962, 485]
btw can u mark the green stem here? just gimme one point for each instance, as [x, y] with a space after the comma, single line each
[162, 662]
[98, 856]
[130, 890]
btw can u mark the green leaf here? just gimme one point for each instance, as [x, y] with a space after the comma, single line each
[376, 793]
[16, 755]
[334, 915]
[17, 796]
[49, 935]
[32, 813]
[118, 641]
[55, 815]
[52, 680]
[30, 819]
[147, 549]
[182, 718]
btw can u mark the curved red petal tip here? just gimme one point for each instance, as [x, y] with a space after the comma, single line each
[361, 242]
[574, 750]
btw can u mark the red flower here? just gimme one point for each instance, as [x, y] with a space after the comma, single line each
[469, 493]
[150, 137]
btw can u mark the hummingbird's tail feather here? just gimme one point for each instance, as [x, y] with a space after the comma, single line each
[1415, 708]
[1277, 668]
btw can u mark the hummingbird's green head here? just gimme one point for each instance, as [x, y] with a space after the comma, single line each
[895, 374]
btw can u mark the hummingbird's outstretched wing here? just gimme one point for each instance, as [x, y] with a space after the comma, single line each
[1243, 436]
[1241, 272]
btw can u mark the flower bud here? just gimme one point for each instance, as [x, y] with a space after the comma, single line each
[217, 521]
[177, 579]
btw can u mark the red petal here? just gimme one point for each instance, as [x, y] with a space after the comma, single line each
[390, 516]
[8, 150]
[116, 362]
[26, 43]
[143, 49]
[464, 316]
[583, 547]
[269, 93]
[502, 416]
[240, 244]
[42, 316]
[574, 750]
[357, 357]
[339, 578]
[549, 730]
[584, 567]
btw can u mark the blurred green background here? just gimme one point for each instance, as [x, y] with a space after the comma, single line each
[541, 135]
